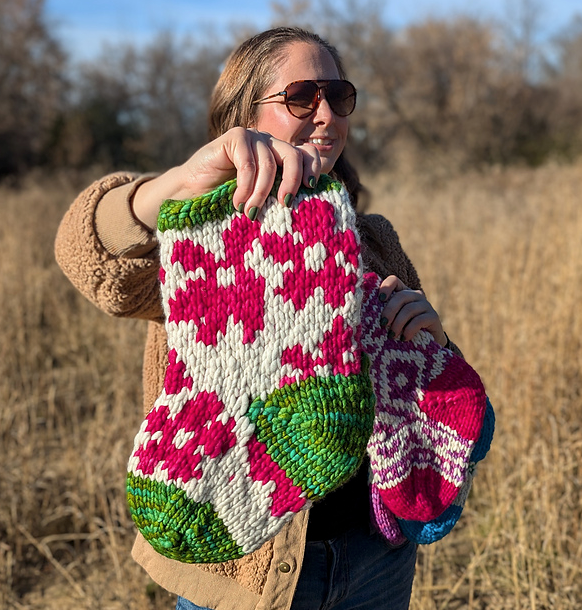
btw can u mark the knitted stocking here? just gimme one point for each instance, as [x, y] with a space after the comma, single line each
[427, 532]
[397, 531]
[265, 406]
[429, 413]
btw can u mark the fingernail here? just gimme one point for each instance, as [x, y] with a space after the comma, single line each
[311, 182]
[402, 337]
[382, 296]
[288, 199]
[253, 213]
[391, 334]
[241, 207]
[383, 322]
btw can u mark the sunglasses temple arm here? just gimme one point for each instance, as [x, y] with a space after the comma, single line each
[264, 99]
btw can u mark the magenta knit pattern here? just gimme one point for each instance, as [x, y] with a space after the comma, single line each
[265, 406]
[429, 413]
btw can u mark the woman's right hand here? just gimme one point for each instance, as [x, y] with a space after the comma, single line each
[250, 156]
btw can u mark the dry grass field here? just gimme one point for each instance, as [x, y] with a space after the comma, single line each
[500, 256]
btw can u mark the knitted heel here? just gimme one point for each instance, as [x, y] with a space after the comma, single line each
[266, 406]
[429, 413]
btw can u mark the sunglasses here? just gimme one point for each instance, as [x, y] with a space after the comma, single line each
[302, 97]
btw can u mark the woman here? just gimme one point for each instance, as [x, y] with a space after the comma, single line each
[281, 102]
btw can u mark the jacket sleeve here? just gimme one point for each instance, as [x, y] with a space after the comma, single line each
[107, 254]
[382, 251]
[383, 254]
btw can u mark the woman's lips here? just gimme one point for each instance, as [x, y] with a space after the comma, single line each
[321, 141]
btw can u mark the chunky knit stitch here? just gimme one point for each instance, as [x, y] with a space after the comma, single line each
[267, 403]
[123, 281]
[429, 414]
[427, 532]
[397, 531]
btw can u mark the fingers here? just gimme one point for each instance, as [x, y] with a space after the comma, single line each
[246, 154]
[404, 320]
[401, 308]
[292, 163]
[311, 164]
[257, 178]
[256, 156]
[407, 311]
[300, 164]
[390, 285]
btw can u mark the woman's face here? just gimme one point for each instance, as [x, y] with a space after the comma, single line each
[323, 129]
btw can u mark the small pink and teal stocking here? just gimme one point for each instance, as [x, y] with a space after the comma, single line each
[429, 414]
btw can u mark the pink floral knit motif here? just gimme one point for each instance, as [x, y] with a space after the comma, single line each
[305, 260]
[194, 431]
[251, 308]
[210, 281]
[429, 413]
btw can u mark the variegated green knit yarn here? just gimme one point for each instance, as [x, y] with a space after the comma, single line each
[267, 403]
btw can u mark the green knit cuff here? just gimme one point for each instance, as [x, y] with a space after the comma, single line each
[217, 204]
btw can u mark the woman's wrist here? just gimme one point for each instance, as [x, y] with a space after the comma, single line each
[118, 229]
[149, 196]
[142, 204]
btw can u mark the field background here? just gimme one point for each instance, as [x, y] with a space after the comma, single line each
[500, 256]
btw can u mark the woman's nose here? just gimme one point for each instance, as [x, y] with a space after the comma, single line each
[323, 112]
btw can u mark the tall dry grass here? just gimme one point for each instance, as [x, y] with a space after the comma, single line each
[500, 256]
[69, 404]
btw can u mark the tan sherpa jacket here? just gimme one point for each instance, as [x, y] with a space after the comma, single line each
[113, 260]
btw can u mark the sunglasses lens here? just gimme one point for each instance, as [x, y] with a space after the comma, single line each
[341, 96]
[301, 98]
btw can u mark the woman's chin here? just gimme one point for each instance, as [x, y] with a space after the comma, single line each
[327, 163]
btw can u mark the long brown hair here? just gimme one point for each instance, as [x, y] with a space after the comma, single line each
[249, 72]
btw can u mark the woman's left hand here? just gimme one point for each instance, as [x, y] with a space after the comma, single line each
[407, 311]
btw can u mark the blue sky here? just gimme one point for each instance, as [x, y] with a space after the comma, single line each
[85, 25]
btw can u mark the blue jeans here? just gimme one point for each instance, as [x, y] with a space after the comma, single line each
[356, 571]
[184, 604]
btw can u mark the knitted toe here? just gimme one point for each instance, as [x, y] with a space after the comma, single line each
[428, 532]
[159, 511]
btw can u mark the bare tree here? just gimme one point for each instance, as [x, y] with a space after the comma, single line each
[522, 27]
[144, 108]
[177, 78]
[459, 89]
[564, 75]
[32, 85]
